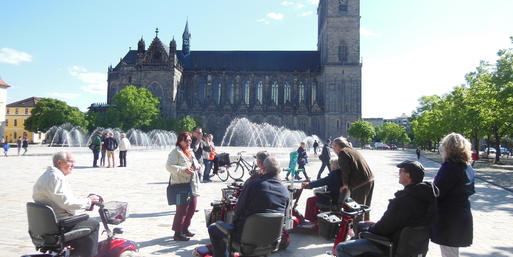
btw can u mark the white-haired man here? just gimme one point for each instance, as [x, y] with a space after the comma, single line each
[52, 188]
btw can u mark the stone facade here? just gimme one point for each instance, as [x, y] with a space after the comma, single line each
[318, 92]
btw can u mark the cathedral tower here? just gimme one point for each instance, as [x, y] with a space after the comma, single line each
[186, 40]
[340, 77]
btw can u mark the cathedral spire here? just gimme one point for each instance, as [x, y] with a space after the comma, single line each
[186, 39]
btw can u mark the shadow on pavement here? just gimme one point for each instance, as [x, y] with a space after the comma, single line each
[146, 215]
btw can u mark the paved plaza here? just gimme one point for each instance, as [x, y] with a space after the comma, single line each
[143, 184]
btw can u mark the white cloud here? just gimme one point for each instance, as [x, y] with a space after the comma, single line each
[314, 2]
[368, 33]
[287, 3]
[307, 13]
[300, 6]
[67, 96]
[275, 16]
[96, 82]
[13, 56]
[263, 20]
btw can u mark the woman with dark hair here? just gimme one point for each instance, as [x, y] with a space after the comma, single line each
[184, 169]
[454, 227]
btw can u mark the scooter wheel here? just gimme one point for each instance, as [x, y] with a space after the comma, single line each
[128, 254]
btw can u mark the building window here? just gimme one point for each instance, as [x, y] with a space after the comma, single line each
[246, 92]
[16, 112]
[201, 92]
[8, 110]
[217, 93]
[231, 93]
[274, 92]
[26, 110]
[286, 93]
[15, 135]
[15, 122]
[301, 92]
[314, 92]
[6, 122]
[342, 53]
[259, 92]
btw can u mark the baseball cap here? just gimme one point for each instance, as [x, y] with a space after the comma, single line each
[412, 167]
[328, 141]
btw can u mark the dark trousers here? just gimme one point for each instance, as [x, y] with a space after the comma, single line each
[208, 167]
[95, 158]
[302, 166]
[86, 246]
[357, 248]
[324, 165]
[363, 195]
[217, 240]
[102, 160]
[122, 158]
[183, 216]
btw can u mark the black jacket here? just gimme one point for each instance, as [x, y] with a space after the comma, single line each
[332, 181]
[111, 144]
[264, 194]
[455, 224]
[415, 205]
[325, 155]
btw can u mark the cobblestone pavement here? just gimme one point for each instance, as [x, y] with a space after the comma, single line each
[143, 183]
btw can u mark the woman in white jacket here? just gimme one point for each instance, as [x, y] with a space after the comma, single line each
[184, 169]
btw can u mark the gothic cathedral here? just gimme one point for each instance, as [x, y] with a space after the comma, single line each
[318, 92]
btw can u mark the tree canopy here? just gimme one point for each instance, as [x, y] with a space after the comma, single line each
[362, 130]
[49, 112]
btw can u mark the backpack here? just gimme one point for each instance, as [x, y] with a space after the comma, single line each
[469, 186]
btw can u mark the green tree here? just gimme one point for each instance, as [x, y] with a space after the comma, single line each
[393, 133]
[362, 130]
[134, 107]
[49, 112]
[185, 124]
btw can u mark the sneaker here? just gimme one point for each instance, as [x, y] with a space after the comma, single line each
[180, 237]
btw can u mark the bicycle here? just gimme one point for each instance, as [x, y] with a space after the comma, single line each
[237, 168]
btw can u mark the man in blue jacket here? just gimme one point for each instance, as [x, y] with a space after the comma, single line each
[415, 205]
[264, 194]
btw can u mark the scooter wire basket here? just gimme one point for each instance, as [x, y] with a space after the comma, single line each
[115, 212]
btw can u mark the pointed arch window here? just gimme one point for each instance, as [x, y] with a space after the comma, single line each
[201, 91]
[286, 93]
[301, 92]
[314, 92]
[274, 92]
[246, 92]
[231, 93]
[259, 91]
[217, 92]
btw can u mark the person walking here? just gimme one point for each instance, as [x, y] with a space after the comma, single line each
[208, 157]
[315, 145]
[454, 226]
[124, 145]
[184, 182]
[25, 145]
[6, 148]
[18, 143]
[418, 153]
[302, 159]
[111, 144]
[325, 158]
[96, 146]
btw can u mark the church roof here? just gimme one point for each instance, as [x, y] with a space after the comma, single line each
[251, 60]
[29, 102]
[242, 60]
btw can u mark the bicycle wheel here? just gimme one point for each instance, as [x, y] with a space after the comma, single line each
[236, 170]
[222, 173]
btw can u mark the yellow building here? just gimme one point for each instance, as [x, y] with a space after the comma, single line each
[15, 116]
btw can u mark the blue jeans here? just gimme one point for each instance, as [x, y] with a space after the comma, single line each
[208, 167]
[216, 238]
[357, 247]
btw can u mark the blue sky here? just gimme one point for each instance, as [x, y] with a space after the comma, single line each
[409, 48]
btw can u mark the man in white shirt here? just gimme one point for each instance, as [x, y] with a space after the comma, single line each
[53, 189]
[124, 145]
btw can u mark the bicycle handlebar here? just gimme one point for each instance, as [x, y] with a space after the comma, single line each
[363, 209]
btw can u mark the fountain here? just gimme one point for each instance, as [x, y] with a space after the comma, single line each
[242, 132]
[67, 135]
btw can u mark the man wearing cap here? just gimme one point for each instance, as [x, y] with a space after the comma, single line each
[415, 205]
[325, 158]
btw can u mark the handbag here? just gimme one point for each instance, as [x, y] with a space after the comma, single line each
[92, 147]
[178, 194]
